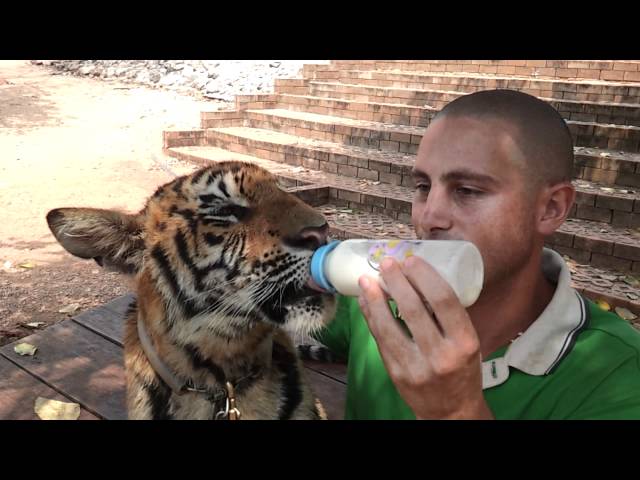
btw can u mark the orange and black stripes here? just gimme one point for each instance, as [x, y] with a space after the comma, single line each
[221, 265]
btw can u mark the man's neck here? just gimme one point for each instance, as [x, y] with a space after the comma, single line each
[510, 307]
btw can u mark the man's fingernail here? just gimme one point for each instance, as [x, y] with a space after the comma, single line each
[409, 262]
[364, 283]
[386, 264]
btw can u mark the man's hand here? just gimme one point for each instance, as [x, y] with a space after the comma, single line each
[438, 372]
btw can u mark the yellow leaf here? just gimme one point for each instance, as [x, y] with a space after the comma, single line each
[626, 314]
[27, 265]
[629, 280]
[48, 409]
[70, 308]
[25, 349]
[603, 305]
[35, 324]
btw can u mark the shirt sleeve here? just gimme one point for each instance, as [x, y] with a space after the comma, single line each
[336, 336]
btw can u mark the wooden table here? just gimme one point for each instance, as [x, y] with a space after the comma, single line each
[81, 360]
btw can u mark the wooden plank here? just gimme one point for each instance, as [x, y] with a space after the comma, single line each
[108, 319]
[103, 321]
[121, 304]
[328, 379]
[337, 371]
[18, 393]
[332, 394]
[85, 366]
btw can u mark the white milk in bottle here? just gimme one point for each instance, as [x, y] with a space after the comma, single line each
[337, 266]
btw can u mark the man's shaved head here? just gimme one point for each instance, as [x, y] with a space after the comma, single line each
[542, 141]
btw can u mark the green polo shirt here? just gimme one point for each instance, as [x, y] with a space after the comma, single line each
[575, 361]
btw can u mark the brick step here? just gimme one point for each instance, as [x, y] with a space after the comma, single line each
[582, 90]
[595, 201]
[350, 223]
[392, 168]
[371, 93]
[362, 194]
[603, 204]
[391, 113]
[599, 244]
[607, 136]
[605, 284]
[586, 241]
[581, 110]
[618, 206]
[311, 123]
[609, 167]
[340, 130]
[599, 70]
[585, 134]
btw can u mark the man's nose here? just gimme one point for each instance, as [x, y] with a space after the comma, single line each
[436, 213]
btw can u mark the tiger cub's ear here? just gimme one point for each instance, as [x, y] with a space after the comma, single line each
[114, 240]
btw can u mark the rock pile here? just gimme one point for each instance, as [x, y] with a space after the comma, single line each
[215, 79]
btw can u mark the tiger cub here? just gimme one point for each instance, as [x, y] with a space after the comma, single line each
[220, 260]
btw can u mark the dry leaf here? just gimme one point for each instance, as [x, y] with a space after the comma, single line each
[611, 278]
[346, 210]
[605, 154]
[633, 296]
[626, 314]
[70, 308]
[25, 349]
[629, 280]
[27, 265]
[48, 409]
[603, 305]
[34, 324]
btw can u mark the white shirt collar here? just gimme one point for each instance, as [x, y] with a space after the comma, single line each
[550, 337]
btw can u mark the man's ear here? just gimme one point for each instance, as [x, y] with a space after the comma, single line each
[555, 204]
[111, 238]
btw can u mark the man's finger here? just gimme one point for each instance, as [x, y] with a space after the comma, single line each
[411, 306]
[446, 306]
[393, 342]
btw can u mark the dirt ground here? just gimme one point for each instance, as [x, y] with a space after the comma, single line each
[73, 141]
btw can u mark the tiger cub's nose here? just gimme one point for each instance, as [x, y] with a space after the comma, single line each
[310, 238]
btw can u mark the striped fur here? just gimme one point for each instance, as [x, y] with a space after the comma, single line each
[220, 273]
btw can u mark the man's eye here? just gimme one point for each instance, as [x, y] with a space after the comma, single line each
[423, 187]
[467, 192]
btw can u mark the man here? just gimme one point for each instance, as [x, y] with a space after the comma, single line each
[493, 168]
